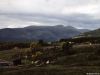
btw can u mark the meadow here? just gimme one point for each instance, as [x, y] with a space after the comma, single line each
[78, 59]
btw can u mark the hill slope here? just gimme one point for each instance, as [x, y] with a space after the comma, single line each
[94, 33]
[39, 32]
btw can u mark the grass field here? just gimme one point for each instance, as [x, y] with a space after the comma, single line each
[85, 59]
[53, 70]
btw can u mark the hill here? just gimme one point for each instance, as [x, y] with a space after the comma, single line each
[48, 33]
[81, 59]
[94, 33]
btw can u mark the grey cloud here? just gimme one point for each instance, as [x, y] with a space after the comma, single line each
[79, 20]
[50, 12]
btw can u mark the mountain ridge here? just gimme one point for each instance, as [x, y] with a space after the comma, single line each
[48, 33]
[93, 33]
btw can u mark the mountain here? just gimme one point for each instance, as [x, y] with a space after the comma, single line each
[48, 33]
[94, 33]
[83, 30]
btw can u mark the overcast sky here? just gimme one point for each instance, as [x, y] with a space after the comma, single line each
[77, 13]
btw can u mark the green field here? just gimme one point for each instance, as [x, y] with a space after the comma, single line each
[83, 59]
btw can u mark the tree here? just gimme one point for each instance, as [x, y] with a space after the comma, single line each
[66, 46]
[36, 46]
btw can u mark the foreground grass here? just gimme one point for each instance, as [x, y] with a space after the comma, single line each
[7, 54]
[85, 59]
[53, 70]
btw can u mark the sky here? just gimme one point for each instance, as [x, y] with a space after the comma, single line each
[77, 13]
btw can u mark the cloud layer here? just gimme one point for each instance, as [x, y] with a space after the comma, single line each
[77, 13]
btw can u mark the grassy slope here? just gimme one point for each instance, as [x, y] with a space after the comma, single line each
[7, 54]
[95, 33]
[54, 70]
[85, 59]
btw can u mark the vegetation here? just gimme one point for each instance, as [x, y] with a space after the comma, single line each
[64, 57]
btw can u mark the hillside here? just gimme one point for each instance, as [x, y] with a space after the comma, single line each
[94, 33]
[48, 33]
[79, 59]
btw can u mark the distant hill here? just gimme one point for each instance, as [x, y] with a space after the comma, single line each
[83, 30]
[48, 33]
[94, 33]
